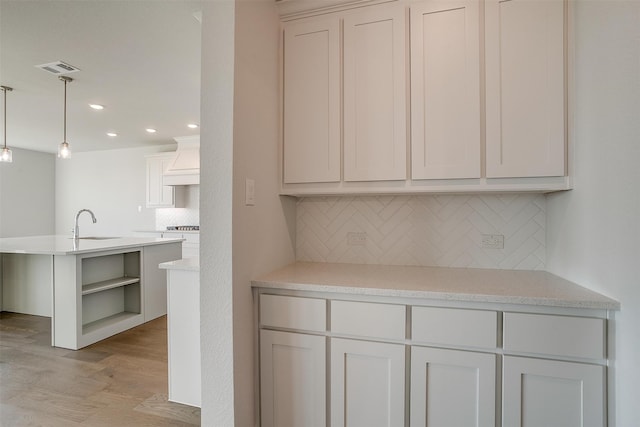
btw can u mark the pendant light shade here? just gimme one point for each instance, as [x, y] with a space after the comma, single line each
[64, 151]
[6, 156]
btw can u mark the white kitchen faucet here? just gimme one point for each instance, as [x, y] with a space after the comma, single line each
[76, 229]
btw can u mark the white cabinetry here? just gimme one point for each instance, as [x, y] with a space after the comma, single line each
[158, 194]
[367, 383]
[452, 388]
[375, 120]
[553, 392]
[551, 362]
[292, 365]
[489, 99]
[525, 88]
[445, 89]
[312, 101]
[292, 379]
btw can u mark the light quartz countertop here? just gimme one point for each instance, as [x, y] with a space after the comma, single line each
[186, 264]
[169, 231]
[66, 245]
[438, 283]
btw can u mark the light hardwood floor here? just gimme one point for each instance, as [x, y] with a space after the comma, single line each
[121, 381]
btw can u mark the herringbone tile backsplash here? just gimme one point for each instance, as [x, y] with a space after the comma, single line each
[424, 230]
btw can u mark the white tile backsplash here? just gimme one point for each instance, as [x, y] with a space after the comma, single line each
[188, 215]
[442, 230]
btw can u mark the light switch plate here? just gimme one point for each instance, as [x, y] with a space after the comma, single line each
[249, 192]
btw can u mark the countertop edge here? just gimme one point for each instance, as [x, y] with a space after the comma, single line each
[493, 286]
[184, 264]
[440, 296]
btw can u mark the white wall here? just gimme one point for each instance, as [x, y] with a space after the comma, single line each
[112, 184]
[216, 182]
[593, 231]
[27, 194]
[264, 234]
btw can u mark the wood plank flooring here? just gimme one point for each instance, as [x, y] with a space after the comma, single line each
[121, 381]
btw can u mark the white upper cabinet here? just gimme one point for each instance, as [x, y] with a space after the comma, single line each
[445, 89]
[311, 102]
[158, 194]
[427, 96]
[375, 122]
[525, 87]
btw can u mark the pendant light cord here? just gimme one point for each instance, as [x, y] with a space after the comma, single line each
[5, 117]
[64, 138]
[66, 80]
[4, 89]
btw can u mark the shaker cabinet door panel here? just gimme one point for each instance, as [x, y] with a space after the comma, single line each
[445, 89]
[292, 379]
[312, 101]
[539, 392]
[158, 194]
[525, 87]
[367, 384]
[452, 388]
[375, 119]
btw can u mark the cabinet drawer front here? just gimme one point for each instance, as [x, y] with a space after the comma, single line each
[434, 325]
[555, 335]
[368, 319]
[308, 314]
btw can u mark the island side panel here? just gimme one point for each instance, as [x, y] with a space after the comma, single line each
[154, 279]
[27, 283]
[66, 302]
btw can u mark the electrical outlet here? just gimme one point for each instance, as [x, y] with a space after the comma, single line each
[493, 241]
[356, 239]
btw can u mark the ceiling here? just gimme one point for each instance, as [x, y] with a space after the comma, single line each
[140, 59]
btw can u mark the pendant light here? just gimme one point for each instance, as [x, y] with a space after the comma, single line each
[5, 156]
[64, 151]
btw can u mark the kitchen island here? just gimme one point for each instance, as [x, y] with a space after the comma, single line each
[91, 288]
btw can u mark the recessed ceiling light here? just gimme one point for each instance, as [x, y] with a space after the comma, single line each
[192, 126]
[112, 134]
[97, 106]
[150, 130]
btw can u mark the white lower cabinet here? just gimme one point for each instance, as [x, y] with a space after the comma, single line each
[367, 383]
[452, 388]
[292, 379]
[540, 392]
[437, 365]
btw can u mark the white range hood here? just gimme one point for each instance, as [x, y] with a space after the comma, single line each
[184, 168]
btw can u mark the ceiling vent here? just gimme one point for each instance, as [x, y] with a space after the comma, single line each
[58, 68]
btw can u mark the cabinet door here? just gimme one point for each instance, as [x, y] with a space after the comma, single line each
[311, 145]
[550, 393]
[445, 90]
[292, 379]
[367, 384]
[525, 101]
[452, 388]
[158, 195]
[375, 119]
